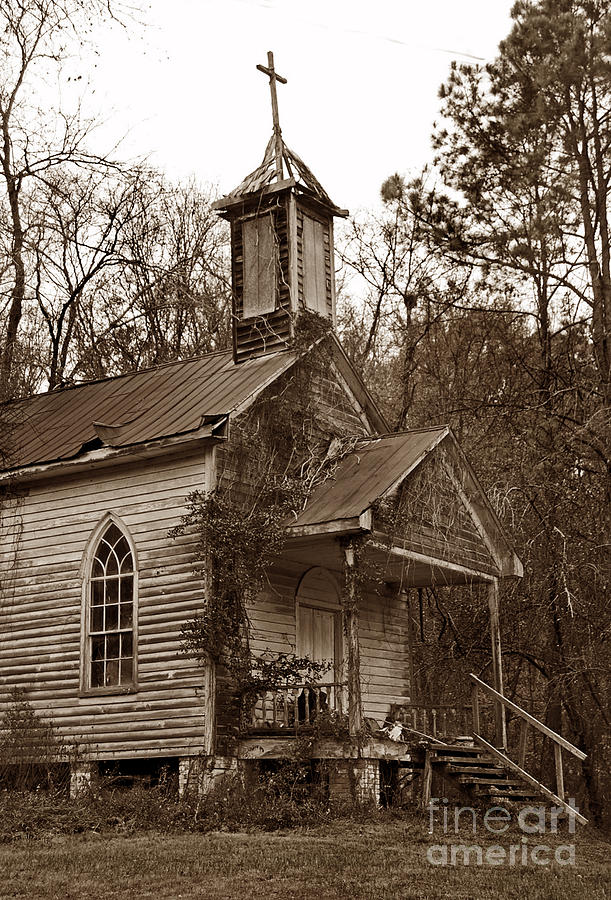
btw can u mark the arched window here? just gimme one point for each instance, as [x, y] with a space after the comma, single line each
[110, 613]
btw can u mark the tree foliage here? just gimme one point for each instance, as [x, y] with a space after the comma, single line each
[518, 359]
[103, 266]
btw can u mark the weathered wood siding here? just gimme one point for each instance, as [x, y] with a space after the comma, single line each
[430, 518]
[384, 648]
[40, 616]
[312, 401]
[308, 401]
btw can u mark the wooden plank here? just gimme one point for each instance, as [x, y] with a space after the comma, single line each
[524, 726]
[529, 778]
[260, 261]
[314, 281]
[475, 707]
[434, 562]
[531, 719]
[559, 771]
[349, 603]
[427, 780]
[497, 662]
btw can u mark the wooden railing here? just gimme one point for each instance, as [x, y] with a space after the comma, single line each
[527, 721]
[442, 721]
[289, 706]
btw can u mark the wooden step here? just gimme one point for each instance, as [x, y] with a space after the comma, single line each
[516, 797]
[490, 782]
[498, 788]
[466, 760]
[456, 748]
[455, 769]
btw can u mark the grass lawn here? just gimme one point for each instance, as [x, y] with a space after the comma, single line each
[339, 860]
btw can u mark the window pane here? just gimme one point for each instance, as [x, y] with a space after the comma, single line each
[126, 644]
[112, 672]
[127, 670]
[127, 563]
[97, 648]
[112, 535]
[97, 674]
[97, 593]
[112, 564]
[112, 646]
[112, 618]
[127, 589]
[111, 611]
[112, 590]
[102, 551]
[97, 618]
[121, 547]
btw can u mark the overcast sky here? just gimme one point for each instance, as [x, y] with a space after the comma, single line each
[361, 94]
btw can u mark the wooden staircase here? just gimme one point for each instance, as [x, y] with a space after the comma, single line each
[480, 773]
[484, 770]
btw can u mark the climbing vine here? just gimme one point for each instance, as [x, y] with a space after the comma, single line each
[279, 453]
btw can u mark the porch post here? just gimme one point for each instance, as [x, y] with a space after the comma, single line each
[350, 622]
[497, 664]
[209, 747]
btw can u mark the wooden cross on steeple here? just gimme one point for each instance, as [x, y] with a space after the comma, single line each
[273, 78]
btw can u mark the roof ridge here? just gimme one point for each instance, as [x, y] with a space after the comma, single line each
[376, 437]
[68, 387]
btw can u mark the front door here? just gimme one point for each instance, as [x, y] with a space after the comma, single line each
[317, 638]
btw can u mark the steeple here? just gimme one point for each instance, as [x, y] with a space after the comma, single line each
[281, 245]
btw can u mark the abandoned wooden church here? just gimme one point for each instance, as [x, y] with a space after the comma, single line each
[97, 592]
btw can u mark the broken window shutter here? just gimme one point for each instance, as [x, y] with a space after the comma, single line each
[260, 267]
[315, 279]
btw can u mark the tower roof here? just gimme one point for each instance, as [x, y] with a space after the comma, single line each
[264, 180]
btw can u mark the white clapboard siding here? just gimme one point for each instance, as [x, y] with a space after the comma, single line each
[383, 641]
[44, 537]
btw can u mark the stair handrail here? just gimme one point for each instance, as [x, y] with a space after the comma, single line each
[544, 729]
[530, 779]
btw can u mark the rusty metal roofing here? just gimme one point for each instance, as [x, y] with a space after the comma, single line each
[372, 469]
[180, 398]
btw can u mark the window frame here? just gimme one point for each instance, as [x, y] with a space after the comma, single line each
[86, 687]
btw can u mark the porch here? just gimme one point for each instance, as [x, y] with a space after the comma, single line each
[401, 512]
[446, 754]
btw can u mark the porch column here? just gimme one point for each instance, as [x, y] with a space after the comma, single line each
[350, 622]
[209, 746]
[497, 664]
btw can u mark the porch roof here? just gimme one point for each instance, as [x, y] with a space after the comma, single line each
[343, 504]
[371, 470]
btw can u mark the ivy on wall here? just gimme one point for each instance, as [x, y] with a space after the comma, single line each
[276, 457]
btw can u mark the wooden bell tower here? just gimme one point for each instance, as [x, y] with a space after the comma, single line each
[281, 245]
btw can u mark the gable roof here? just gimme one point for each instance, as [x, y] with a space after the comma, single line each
[371, 470]
[378, 465]
[190, 398]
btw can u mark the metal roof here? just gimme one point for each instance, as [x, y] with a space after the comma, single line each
[172, 399]
[373, 468]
